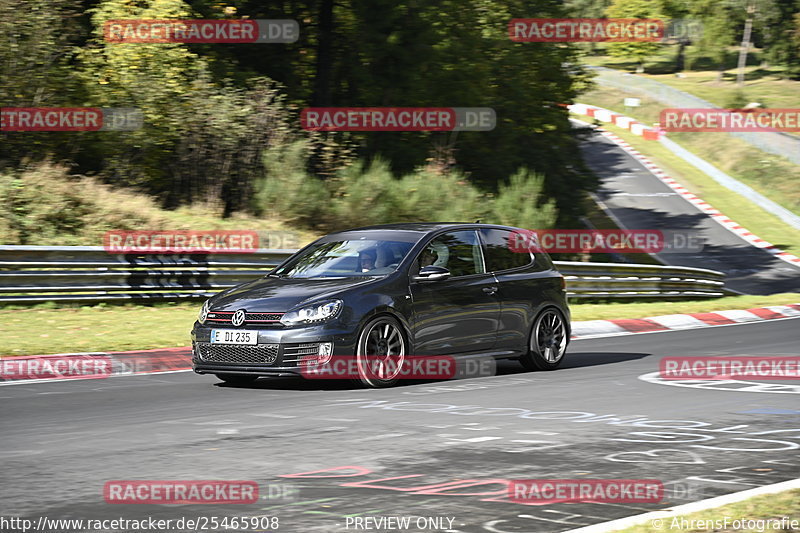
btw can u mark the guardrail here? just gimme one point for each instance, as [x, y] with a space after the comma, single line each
[70, 274]
[623, 280]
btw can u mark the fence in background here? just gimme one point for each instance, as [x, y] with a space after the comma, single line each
[70, 274]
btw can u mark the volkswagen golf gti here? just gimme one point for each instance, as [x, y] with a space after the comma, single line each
[392, 292]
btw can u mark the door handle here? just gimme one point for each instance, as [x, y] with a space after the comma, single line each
[490, 290]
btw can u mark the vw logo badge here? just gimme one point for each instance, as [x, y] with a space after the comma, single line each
[238, 318]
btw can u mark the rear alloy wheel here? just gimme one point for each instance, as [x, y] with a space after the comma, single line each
[381, 353]
[237, 379]
[548, 341]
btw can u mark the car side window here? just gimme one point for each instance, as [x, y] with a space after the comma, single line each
[500, 250]
[457, 251]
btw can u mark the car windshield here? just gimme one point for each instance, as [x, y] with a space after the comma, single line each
[338, 258]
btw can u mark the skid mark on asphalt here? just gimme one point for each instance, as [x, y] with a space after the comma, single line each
[658, 455]
[771, 411]
[487, 512]
[472, 386]
[537, 445]
[509, 444]
[18, 453]
[384, 436]
[469, 439]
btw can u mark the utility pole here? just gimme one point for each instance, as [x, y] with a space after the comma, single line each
[748, 26]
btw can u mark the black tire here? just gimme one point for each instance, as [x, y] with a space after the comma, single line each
[548, 341]
[237, 379]
[380, 352]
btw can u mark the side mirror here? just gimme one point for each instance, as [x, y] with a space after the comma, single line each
[432, 273]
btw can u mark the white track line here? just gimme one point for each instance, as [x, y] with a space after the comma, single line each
[62, 380]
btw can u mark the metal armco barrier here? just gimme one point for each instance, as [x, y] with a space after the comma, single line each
[37, 274]
[623, 280]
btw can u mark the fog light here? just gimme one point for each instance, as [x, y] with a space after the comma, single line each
[324, 352]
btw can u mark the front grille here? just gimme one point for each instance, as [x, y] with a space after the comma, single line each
[224, 317]
[237, 353]
[299, 354]
[263, 317]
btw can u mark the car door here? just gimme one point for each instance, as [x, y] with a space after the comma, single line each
[461, 313]
[524, 282]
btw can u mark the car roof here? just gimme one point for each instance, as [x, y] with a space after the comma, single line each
[424, 227]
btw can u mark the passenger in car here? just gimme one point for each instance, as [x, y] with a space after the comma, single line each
[428, 257]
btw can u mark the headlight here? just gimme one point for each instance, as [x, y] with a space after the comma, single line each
[204, 312]
[312, 313]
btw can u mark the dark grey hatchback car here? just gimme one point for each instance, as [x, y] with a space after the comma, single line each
[393, 292]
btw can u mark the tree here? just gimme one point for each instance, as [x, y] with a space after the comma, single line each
[425, 54]
[211, 112]
[157, 79]
[637, 51]
[457, 54]
[203, 138]
[719, 30]
[36, 40]
[592, 9]
[781, 35]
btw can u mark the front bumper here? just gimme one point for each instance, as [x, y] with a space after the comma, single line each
[279, 352]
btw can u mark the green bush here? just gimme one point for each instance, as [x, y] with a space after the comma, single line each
[372, 195]
[364, 194]
[287, 191]
[520, 203]
[44, 205]
[737, 100]
[440, 197]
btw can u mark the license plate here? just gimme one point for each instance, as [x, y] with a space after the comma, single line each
[234, 336]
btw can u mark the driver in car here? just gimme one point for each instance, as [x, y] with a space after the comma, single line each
[366, 258]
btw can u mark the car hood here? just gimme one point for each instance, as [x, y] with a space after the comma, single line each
[282, 294]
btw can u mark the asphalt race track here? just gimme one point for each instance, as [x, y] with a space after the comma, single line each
[639, 200]
[389, 452]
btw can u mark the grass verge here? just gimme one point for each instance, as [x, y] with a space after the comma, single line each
[760, 222]
[736, 517]
[767, 85]
[41, 330]
[96, 329]
[764, 87]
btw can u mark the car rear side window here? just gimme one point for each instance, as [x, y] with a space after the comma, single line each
[457, 251]
[499, 250]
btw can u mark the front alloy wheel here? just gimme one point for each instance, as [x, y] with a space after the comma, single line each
[548, 341]
[381, 352]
